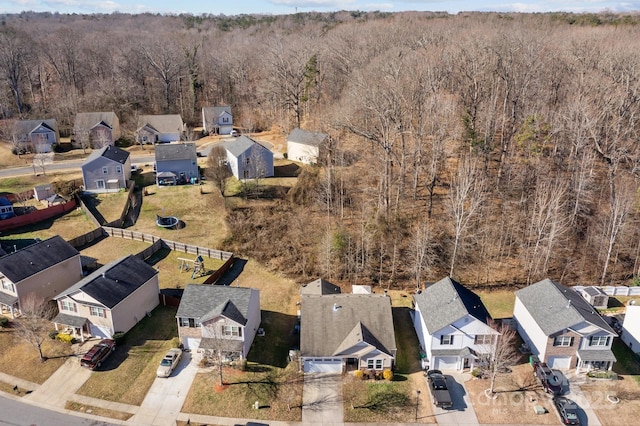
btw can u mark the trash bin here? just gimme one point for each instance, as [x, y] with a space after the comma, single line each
[533, 359]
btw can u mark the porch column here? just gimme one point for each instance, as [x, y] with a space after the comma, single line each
[55, 324]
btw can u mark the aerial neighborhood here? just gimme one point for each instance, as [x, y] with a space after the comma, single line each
[321, 218]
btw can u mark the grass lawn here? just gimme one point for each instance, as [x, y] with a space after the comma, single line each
[112, 248]
[68, 226]
[128, 374]
[378, 401]
[167, 262]
[97, 411]
[628, 392]
[9, 388]
[626, 361]
[25, 182]
[109, 205]
[278, 391]
[499, 303]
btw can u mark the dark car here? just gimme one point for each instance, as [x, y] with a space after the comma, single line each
[93, 359]
[550, 381]
[437, 384]
[567, 409]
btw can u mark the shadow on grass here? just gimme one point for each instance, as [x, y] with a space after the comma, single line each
[287, 170]
[408, 355]
[92, 202]
[158, 256]
[273, 348]
[13, 245]
[233, 273]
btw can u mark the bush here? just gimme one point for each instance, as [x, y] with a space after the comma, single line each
[476, 372]
[66, 338]
[358, 374]
[387, 374]
[118, 336]
[4, 322]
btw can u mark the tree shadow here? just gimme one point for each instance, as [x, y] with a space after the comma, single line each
[286, 170]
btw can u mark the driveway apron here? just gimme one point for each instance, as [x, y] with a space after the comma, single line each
[61, 385]
[322, 399]
[462, 412]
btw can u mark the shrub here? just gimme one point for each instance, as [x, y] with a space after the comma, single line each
[387, 374]
[476, 372]
[358, 374]
[66, 338]
[118, 336]
[4, 322]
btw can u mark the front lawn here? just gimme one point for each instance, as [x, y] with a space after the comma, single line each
[378, 401]
[626, 389]
[128, 374]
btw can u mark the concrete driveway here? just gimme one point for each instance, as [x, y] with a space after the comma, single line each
[462, 412]
[166, 396]
[586, 415]
[322, 399]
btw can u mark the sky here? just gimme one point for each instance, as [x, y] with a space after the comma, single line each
[278, 7]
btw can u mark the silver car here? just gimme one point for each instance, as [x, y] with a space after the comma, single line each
[169, 362]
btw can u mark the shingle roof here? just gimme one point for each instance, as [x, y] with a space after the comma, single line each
[176, 151]
[204, 302]
[168, 123]
[212, 113]
[447, 301]
[88, 120]
[36, 258]
[240, 145]
[112, 283]
[306, 137]
[326, 330]
[556, 307]
[26, 126]
[109, 151]
[593, 291]
[320, 287]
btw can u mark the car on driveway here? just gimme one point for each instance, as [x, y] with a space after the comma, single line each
[549, 379]
[567, 409]
[438, 388]
[98, 353]
[169, 362]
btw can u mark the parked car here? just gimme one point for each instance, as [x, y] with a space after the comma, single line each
[549, 379]
[438, 388]
[234, 133]
[134, 169]
[98, 353]
[169, 362]
[567, 409]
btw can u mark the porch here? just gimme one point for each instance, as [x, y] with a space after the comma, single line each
[9, 305]
[77, 327]
[589, 360]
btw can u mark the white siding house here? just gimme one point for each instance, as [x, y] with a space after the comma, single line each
[631, 328]
[304, 146]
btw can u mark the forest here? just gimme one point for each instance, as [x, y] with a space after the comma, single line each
[499, 149]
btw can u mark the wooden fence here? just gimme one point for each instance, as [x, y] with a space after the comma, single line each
[37, 216]
[87, 211]
[213, 278]
[118, 223]
[87, 238]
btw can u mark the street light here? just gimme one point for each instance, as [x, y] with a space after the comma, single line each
[417, 402]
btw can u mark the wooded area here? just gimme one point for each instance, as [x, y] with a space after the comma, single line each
[497, 148]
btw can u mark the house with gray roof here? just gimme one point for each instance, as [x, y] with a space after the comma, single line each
[176, 164]
[304, 145]
[44, 269]
[452, 325]
[562, 328]
[341, 332]
[162, 128]
[219, 320]
[320, 287]
[107, 169]
[112, 299]
[248, 159]
[95, 129]
[35, 135]
[217, 120]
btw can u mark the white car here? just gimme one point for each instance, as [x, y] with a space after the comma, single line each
[169, 362]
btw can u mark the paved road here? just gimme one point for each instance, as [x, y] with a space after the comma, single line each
[16, 413]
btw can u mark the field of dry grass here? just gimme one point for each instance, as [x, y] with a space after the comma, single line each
[621, 414]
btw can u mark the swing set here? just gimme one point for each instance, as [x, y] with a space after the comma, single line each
[196, 266]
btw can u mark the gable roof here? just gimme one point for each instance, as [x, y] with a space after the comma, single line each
[446, 301]
[176, 151]
[241, 144]
[88, 120]
[555, 307]
[167, 123]
[22, 127]
[36, 258]
[205, 302]
[306, 137]
[112, 283]
[213, 112]
[333, 323]
[109, 151]
[320, 287]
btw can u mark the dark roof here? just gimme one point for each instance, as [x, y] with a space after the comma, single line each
[306, 137]
[330, 324]
[4, 201]
[72, 320]
[88, 120]
[555, 307]
[112, 283]
[176, 151]
[36, 258]
[167, 123]
[241, 144]
[111, 152]
[320, 287]
[447, 301]
[204, 302]
[593, 291]
[26, 126]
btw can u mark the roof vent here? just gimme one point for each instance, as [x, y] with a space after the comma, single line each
[104, 275]
[568, 303]
[336, 307]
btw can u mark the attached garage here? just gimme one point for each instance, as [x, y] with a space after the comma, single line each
[101, 332]
[559, 362]
[323, 365]
[191, 343]
[445, 363]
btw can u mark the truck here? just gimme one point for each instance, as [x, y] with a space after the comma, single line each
[437, 384]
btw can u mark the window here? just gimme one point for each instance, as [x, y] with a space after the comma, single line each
[446, 340]
[483, 339]
[184, 322]
[118, 169]
[225, 119]
[67, 305]
[231, 330]
[247, 160]
[100, 184]
[189, 322]
[563, 341]
[374, 364]
[105, 170]
[98, 312]
[7, 285]
[599, 341]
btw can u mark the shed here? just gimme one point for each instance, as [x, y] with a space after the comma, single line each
[595, 296]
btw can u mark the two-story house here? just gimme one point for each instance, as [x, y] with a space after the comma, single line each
[107, 169]
[176, 164]
[452, 326]
[154, 129]
[562, 328]
[219, 320]
[217, 120]
[95, 129]
[112, 299]
[35, 135]
[44, 269]
[247, 159]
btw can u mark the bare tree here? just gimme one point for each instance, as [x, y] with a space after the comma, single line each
[422, 252]
[217, 168]
[619, 208]
[500, 354]
[14, 48]
[40, 161]
[34, 324]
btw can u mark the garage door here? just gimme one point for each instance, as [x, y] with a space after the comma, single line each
[191, 343]
[323, 365]
[100, 332]
[559, 362]
[445, 363]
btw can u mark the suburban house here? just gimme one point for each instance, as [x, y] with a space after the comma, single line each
[562, 328]
[159, 128]
[35, 135]
[217, 120]
[219, 320]
[595, 296]
[247, 159]
[340, 332]
[95, 129]
[111, 299]
[6, 208]
[630, 334]
[320, 287]
[452, 326]
[176, 164]
[304, 145]
[107, 169]
[44, 269]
